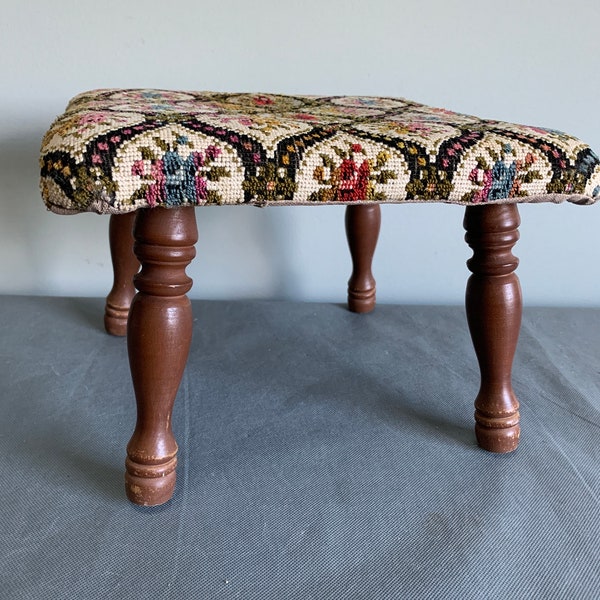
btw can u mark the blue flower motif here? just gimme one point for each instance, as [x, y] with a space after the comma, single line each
[189, 186]
[173, 166]
[587, 164]
[503, 178]
[181, 178]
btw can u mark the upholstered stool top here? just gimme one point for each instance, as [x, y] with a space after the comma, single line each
[117, 150]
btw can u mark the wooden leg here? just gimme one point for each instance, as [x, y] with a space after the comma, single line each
[158, 339]
[362, 230]
[494, 307]
[125, 266]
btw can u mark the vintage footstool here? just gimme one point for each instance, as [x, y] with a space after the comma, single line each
[158, 154]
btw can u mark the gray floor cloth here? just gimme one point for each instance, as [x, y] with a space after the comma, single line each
[323, 455]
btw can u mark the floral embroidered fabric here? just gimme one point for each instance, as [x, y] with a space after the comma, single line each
[114, 151]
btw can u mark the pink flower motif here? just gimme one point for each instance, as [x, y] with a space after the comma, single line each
[96, 159]
[354, 180]
[539, 130]
[362, 183]
[256, 157]
[305, 117]
[443, 111]
[102, 146]
[487, 181]
[446, 163]
[245, 121]
[348, 171]
[198, 160]
[262, 101]
[212, 152]
[152, 195]
[201, 191]
[156, 191]
[482, 194]
[418, 128]
[115, 139]
[91, 118]
[137, 170]
[126, 131]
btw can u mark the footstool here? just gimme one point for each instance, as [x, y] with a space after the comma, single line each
[149, 157]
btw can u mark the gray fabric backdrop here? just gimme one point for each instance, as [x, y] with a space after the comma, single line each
[323, 455]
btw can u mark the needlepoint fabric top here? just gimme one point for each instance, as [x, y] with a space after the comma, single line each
[117, 150]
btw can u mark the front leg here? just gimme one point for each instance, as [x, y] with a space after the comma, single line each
[494, 308]
[158, 339]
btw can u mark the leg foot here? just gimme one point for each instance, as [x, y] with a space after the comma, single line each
[125, 266]
[362, 230]
[158, 339]
[494, 307]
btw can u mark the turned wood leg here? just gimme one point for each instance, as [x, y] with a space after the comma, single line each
[158, 339]
[362, 230]
[125, 266]
[494, 307]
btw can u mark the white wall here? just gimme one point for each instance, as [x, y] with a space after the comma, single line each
[532, 61]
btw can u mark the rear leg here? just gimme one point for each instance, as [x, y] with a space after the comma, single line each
[125, 266]
[362, 230]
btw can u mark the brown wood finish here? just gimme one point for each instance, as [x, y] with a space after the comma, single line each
[494, 307]
[362, 230]
[158, 339]
[159, 327]
[125, 266]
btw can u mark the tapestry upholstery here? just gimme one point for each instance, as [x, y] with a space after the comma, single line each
[117, 150]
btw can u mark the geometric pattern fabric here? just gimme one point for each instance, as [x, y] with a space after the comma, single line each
[117, 150]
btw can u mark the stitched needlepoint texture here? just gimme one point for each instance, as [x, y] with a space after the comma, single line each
[118, 150]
